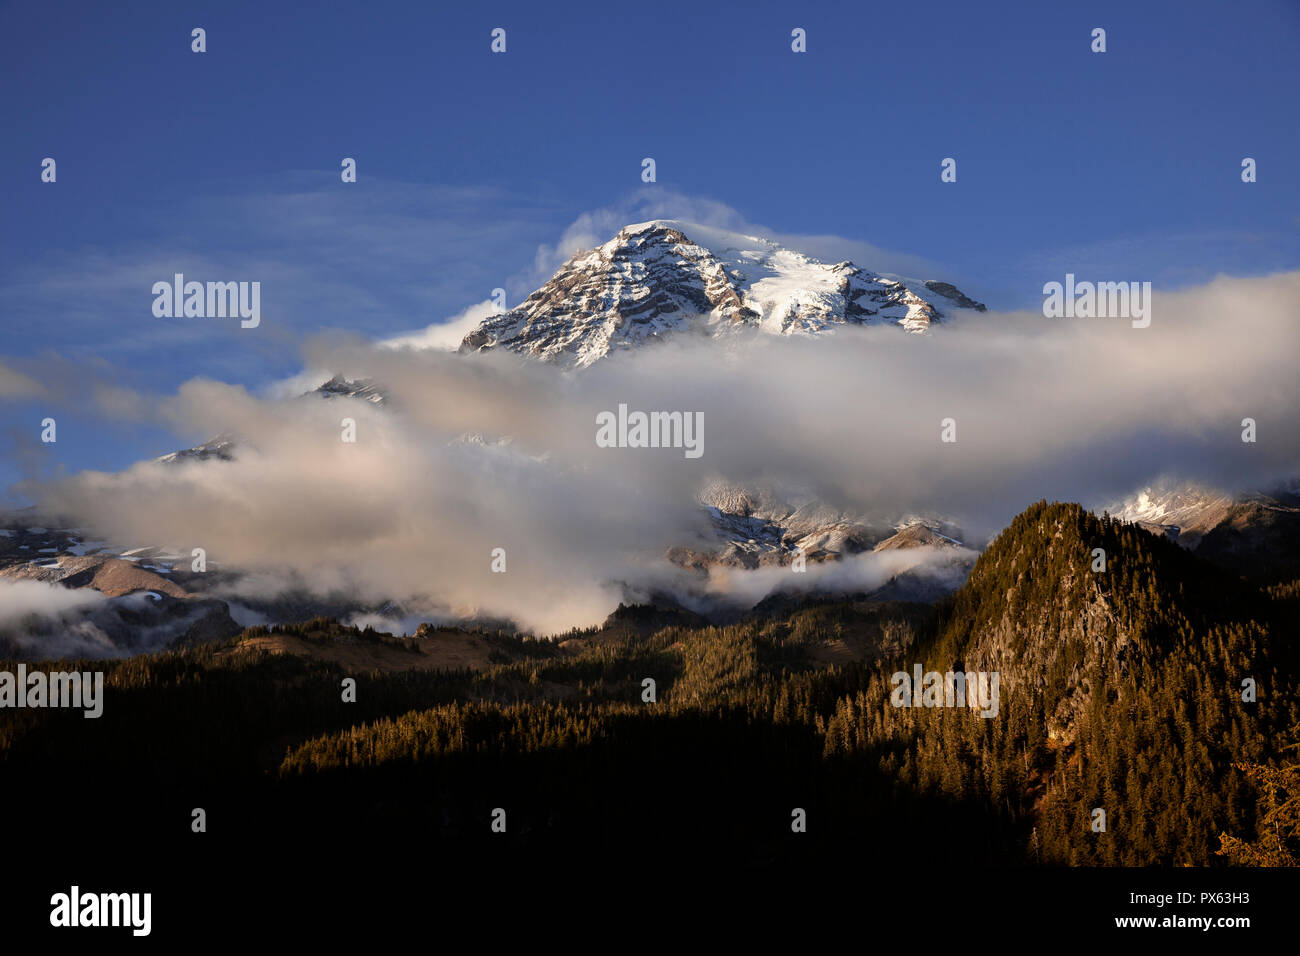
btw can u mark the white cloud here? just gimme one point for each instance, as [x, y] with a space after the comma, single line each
[23, 599]
[600, 225]
[444, 335]
[1086, 409]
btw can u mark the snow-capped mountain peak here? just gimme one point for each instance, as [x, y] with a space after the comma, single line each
[663, 276]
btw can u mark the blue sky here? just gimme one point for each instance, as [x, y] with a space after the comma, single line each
[225, 165]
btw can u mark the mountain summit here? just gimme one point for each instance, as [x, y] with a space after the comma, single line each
[652, 279]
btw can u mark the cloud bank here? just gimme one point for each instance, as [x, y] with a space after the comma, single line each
[474, 453]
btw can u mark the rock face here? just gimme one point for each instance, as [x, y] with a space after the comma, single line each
[950, 291]
[362, 388]
[654, 279]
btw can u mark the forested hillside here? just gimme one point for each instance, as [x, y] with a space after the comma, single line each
[1120, 690]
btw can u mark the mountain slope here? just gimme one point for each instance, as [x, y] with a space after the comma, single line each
[653, 279]
[223, 447]
[1119, 691]
[1256, 535]
[1034, 609]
